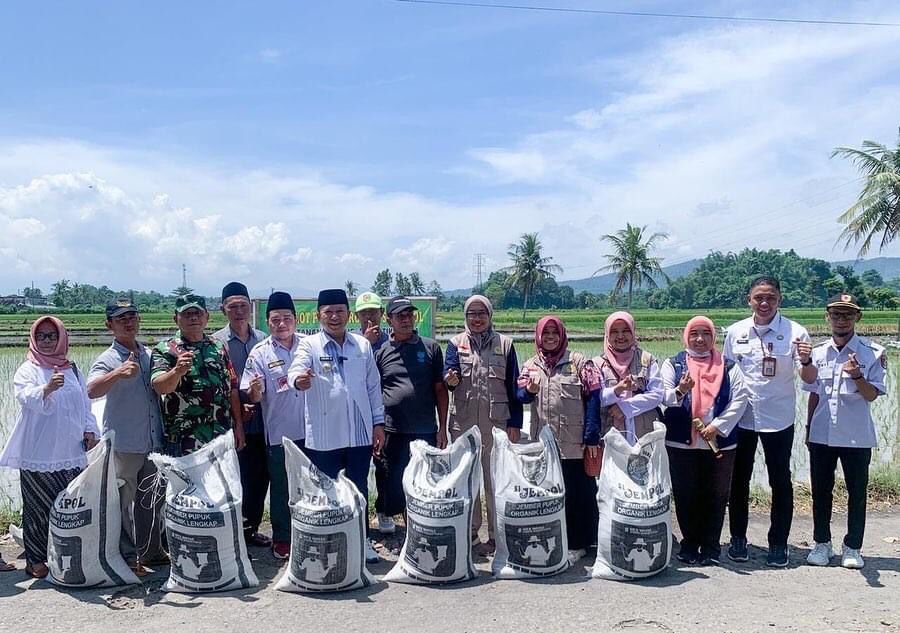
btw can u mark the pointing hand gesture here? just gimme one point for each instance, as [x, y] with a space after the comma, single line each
[257, 386]
[304, 380]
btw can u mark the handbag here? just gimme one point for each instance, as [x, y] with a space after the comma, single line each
[592, 464]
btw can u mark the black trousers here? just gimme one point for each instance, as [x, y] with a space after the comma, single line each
[777, 448]
[855, 464]
[581, 504]
[701, 485]
[389, 467]
[254, 480]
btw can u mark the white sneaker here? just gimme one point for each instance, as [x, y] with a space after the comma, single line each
[851, 558]
[821, 554]
[371, 555]
[386, 523]
[576, 555]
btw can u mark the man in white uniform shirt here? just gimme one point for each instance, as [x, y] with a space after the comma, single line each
[345, 411]
[850, 374]
[265, 381]
[769, 349]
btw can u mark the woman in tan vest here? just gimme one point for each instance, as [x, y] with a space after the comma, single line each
[555, 384]
[480, 370]
[627, 387]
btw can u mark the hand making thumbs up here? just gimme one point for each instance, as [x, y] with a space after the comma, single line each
[57, 380]
[130, 368]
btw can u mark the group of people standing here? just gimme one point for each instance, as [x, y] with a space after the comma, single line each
[347, 398]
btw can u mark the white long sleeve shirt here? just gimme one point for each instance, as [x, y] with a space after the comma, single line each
[344, 401]
[49, 431]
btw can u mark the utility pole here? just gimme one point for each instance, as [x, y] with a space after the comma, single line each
[478, 270]
[184, 276]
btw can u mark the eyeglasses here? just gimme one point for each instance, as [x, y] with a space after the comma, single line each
[47, 336]
[842, 316]
[477, 315]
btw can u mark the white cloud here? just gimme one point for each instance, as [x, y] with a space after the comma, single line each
[270, 55]
[353, 260]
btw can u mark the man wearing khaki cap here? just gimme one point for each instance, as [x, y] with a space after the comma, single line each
[850, 374]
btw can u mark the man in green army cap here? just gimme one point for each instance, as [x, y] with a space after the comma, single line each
[193, 375]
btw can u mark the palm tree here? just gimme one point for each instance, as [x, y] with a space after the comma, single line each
[631, 261]
[529, 266]
[877, 210]
[350, 287]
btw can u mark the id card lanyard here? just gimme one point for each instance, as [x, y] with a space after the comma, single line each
[769, 362]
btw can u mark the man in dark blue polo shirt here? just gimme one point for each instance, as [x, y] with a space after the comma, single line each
[413, 390]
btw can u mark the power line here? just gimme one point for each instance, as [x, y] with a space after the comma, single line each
[649, 14]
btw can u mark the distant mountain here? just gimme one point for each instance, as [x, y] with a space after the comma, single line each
[888, 267]
[605, 283]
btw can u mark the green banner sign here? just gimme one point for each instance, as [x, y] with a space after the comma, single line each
[307, 323]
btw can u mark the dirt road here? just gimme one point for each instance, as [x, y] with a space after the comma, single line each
[732, 597]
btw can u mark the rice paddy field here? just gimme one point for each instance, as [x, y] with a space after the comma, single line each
[660, 331]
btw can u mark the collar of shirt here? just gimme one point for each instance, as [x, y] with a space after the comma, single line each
[124, 351]
[206, 340]
[850, 346]
[410, 341]
[290, 349]
[231, 335]
[774, 325]
[348, 339]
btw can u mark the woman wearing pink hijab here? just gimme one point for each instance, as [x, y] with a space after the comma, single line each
[626, 388]
[555, 384]
[705, 399]
[53, 428]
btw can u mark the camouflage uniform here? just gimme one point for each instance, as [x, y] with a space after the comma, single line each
[200, 407]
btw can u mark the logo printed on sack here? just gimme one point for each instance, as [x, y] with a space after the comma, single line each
[438, 468]
[319, 479]
[638, 469]
[534, 469]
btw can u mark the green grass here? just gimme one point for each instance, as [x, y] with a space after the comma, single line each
[7, 516]
[647, 319]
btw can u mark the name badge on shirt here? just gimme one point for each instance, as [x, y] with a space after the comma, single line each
[281, 384]
[769, 363]
[276, 363]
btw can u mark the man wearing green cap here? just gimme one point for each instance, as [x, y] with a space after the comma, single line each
[196, 381]
[369, 311]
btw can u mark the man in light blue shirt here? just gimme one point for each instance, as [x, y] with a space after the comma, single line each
[121, 374]
[265, 381]
[345, 412]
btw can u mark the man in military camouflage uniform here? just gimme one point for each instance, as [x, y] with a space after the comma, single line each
[196, 381]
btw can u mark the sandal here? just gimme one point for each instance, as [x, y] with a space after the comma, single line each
[4, 566]
[38, 570]
[139, 570]
[258, 539]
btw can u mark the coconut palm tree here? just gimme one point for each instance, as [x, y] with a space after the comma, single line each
[631, 260]
[351, 288]
[529, 266]
[877, 209]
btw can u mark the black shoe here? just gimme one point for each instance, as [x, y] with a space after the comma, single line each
[737, 550]
[778, 556]
[687, 555]
[708, 560]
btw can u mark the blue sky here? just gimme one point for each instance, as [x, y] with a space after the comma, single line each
[298, 145]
